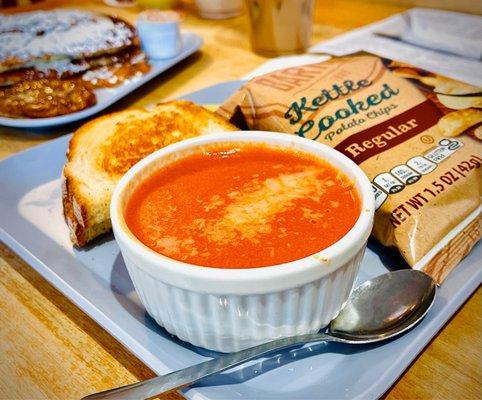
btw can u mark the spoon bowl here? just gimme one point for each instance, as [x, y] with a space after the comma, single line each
[385, 306]
[379, 309]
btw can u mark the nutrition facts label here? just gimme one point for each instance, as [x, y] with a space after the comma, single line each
[380, 196]
[400, 176]
[405, 174]
[388, 183]
[421, 165]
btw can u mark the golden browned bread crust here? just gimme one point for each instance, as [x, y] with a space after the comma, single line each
[102, 150]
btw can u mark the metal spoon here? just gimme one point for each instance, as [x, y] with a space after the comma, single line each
[377, 310]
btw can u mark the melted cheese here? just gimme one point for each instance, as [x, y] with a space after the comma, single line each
[249, 215]
[252, 209]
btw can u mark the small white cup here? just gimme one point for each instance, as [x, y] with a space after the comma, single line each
[160, 38]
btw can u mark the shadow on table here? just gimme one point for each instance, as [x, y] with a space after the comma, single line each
[389, 257]
[278, 359]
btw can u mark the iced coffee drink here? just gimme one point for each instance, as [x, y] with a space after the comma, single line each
[280, 26]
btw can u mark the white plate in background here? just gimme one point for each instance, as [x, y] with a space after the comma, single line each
[107, 96]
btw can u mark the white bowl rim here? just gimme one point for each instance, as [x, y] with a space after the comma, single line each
[240, 280]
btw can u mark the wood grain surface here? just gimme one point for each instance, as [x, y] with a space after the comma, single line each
[49, 349]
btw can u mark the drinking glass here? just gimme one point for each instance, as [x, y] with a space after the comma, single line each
[280, 26]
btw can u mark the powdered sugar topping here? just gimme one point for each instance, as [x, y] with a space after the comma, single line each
[59, 34]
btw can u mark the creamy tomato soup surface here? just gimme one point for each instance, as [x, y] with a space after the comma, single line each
[243, 206]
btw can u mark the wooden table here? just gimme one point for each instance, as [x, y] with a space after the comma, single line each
[51, 349]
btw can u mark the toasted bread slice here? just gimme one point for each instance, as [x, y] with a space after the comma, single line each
[101, 151]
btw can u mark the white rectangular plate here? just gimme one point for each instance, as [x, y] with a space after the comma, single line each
[95, 278]
[107, 96]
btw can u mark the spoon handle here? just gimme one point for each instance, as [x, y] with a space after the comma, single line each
[184, 377]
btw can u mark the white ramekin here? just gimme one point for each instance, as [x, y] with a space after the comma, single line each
[161, 38]
[231, 309]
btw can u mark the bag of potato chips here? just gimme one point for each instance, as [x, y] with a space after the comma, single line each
[414, 133]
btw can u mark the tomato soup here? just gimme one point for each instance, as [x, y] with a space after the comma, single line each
[243, 206]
